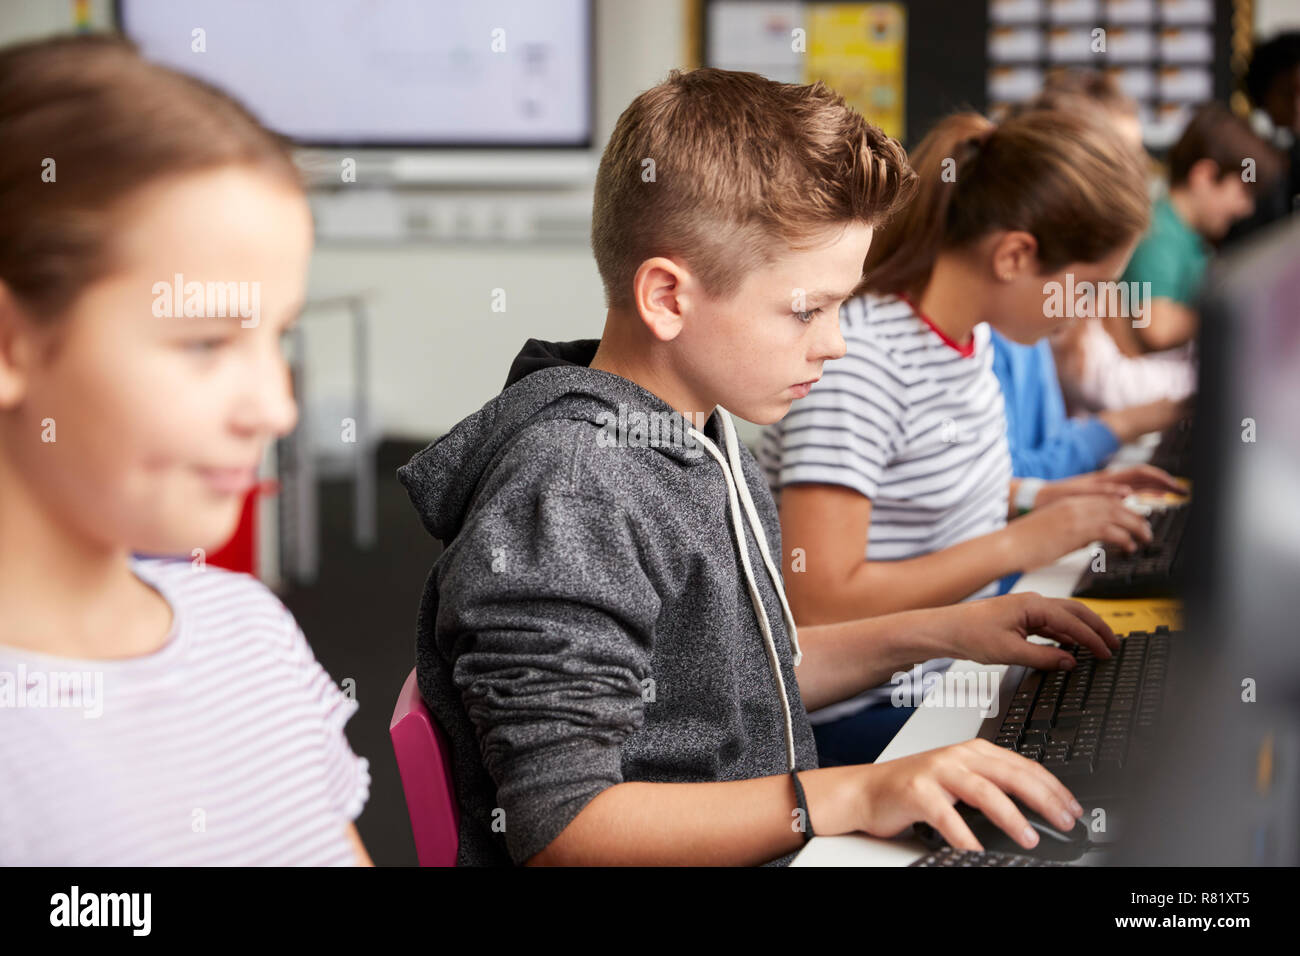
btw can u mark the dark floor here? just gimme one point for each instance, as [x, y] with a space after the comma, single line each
[360, 619]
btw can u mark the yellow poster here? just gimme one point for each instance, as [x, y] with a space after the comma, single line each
[859, 50]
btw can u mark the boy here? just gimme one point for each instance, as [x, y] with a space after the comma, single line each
[606, 640]
[1209, 190]
[1215, 170]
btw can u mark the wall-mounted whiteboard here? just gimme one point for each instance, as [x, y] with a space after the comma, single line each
[485, 73]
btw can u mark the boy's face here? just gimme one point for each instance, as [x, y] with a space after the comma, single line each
[1219, 202]
[160, 421]
[757, 351]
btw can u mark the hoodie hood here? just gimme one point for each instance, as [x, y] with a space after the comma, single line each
[547, 380]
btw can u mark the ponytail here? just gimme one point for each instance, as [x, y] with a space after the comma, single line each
[1064, 179]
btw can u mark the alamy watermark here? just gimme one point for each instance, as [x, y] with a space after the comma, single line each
[950, 688]
[635, 428]
[197, 300]
[1088, 300]
[72, 690]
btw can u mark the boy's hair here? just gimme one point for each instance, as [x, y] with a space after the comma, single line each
[1062, 177]
[111, 122]
[722, 169]
[1215, 132]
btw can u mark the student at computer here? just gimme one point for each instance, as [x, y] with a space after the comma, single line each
[1215, 170]
[1044, 442]
[606, 639]
[894, 477]
[155, 712]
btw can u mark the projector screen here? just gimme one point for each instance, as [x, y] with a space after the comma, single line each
[483, 73]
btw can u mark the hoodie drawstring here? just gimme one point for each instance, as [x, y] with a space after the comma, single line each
[738, 493]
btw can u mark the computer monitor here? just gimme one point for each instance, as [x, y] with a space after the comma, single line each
[1224, 788]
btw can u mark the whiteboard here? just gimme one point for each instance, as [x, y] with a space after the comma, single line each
[484, 73]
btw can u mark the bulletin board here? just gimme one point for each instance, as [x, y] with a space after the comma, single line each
[1168, 55]
[858, 49]
[950, 55]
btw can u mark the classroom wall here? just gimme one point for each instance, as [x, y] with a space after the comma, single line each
[438, 351]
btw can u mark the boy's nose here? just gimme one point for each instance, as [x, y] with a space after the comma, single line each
[832, 344]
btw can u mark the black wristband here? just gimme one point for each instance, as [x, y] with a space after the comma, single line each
[808, 833]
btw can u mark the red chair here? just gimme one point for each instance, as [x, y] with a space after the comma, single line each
[424, 762]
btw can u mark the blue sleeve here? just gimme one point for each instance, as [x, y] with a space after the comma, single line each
[1044, 442]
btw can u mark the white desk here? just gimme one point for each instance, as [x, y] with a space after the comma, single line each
[931, 727]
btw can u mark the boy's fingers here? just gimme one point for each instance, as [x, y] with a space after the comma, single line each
[1062, 624]
[988, 798]
[1091, 618]
[943, 816]
[1035, 786]
[1043, 657]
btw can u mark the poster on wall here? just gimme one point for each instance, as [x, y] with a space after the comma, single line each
[857, 49]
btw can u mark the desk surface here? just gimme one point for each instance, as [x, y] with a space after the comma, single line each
[940, 726]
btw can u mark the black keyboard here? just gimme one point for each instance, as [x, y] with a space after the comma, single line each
[1174, 453]
[1088, 725]
[1153, 570]
[950, 857]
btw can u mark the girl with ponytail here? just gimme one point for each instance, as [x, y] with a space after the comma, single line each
[899, 454]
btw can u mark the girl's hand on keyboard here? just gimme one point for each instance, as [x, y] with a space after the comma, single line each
[1116, 483]
[994, 630]
[924, 787]
[1048, 533]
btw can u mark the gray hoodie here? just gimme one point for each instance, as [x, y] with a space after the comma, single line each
[593, 618]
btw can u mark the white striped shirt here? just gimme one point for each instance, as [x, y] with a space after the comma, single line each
[224, 747]
[913, 422]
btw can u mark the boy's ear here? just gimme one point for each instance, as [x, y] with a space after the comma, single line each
[15, 350]
[1015, 253]
[1203, 173]
[658, 290]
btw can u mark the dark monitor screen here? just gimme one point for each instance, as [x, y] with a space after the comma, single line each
[1225, 788]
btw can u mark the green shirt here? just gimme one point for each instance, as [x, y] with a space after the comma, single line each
[1171, 256]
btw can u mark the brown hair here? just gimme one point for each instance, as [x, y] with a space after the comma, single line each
[112, 122]
[719, 168]
[1215, 132]
[1061, 177]
[1065, 86]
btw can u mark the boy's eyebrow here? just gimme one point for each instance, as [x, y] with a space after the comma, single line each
[829, 296]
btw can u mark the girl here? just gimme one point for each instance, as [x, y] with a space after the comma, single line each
[155, 711]
[900, 453]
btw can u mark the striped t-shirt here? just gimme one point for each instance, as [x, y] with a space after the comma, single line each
[224, 747]
[910, 420]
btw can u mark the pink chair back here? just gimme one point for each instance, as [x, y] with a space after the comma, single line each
[424, 761]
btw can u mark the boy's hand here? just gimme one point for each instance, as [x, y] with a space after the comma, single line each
[1117, 483]
[925, 786]
[994, 630]
[1047, 533]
